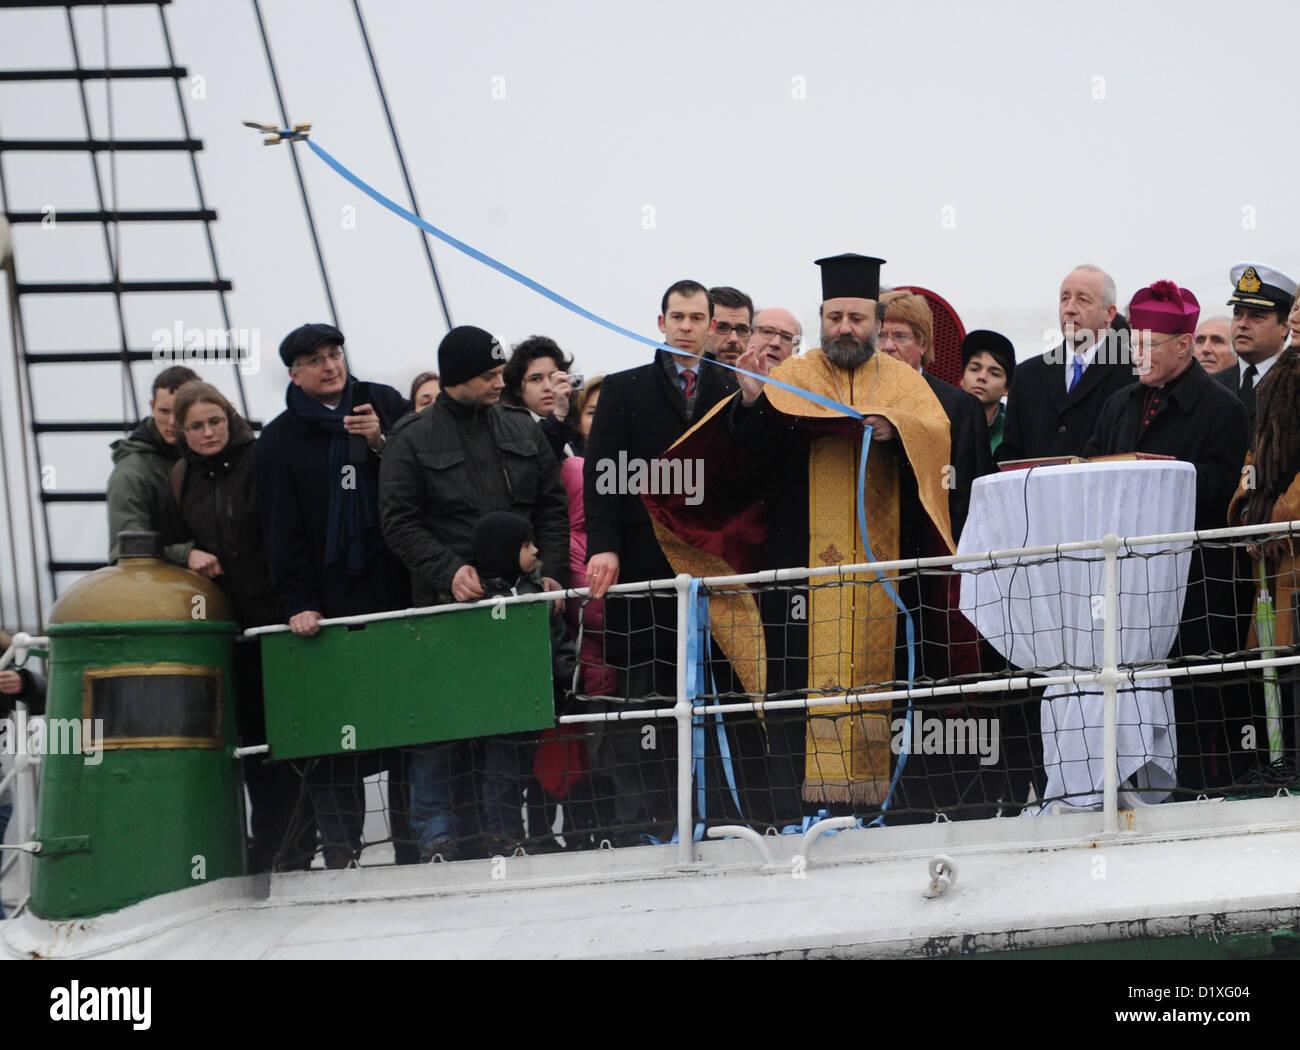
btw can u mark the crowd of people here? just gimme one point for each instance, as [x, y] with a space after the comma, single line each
[506, 473]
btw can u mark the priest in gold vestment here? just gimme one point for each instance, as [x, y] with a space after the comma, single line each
[781, 491]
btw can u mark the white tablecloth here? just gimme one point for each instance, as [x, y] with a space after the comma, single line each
[1049, 615]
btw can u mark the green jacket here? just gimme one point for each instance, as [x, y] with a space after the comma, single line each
[995, 428]
[139, 489]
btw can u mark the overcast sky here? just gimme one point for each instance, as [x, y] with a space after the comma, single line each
[607, 150]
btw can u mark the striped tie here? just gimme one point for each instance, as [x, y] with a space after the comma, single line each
[688, 383]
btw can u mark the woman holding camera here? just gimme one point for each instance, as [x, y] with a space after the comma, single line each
[537, 378]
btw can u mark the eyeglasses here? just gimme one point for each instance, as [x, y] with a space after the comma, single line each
[215, 423]
[902, 335]
[1154, 345]
[725, 328]
[769, 333]
[317, 360]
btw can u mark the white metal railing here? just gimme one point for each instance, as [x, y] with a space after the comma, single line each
[1110, 675]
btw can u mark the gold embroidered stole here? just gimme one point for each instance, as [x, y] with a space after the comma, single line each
[852, 621]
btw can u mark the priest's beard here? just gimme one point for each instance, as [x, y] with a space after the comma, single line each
[848, 351]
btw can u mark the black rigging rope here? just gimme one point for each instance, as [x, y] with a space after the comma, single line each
[401, 160]
[302, 185]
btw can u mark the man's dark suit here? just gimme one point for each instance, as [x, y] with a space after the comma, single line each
[970, 457]
[1231, 378]
[641, 413]
[1042, 419]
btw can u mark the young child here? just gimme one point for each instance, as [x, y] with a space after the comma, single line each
[507, 563]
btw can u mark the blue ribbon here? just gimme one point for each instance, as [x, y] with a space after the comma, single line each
[695, 670]
[910, 629]
[541, 289]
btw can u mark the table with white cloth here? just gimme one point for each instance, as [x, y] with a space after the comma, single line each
[1046, 613]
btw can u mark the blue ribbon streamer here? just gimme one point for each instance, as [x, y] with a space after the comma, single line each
[910, 629]
[695, 671]
[541, 289]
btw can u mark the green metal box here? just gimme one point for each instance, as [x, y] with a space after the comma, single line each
[414, 680]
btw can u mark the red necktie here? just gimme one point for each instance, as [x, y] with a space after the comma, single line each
[688, 383]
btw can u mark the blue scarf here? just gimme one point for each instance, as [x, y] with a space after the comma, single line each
[352, 534]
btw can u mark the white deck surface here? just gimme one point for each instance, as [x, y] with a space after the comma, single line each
[1210, 868]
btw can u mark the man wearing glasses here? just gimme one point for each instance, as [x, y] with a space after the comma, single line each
[317, 468]
[734, 312]
[776, 336]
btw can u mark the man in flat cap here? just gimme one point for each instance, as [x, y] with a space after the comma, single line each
[465, 456]
[1177, 409]
[1261, 299]
[785, 495]
[317, 466]
[988, 361]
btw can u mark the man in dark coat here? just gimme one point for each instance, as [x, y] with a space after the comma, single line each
[317, 470]
[137, 489]
[466, 456]
[642, 411]
[1177, 409]
[1055, 399]
[1261, 300]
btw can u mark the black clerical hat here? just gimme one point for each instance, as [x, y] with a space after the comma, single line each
[850, 276]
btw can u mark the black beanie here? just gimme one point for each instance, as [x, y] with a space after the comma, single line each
[466, 352]
[995, 344]
[306, 339]
[498, 538]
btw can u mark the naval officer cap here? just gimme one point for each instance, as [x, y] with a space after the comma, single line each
[850, 276]
[1260, 286]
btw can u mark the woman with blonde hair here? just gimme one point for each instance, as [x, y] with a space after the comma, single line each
[214, 503]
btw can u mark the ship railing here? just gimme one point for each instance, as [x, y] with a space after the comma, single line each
[1118, 612]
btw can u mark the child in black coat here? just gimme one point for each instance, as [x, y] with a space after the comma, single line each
[505, 557]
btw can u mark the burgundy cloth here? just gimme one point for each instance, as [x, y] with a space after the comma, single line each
[1165, 308]
[560, 761]
[731, 523]
[597, 677]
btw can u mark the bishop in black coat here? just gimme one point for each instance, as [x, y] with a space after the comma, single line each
[1195, 419]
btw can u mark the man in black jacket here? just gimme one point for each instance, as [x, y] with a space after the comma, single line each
[1055, 398]
[446, 467]
[317, 471]
[642, 412]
